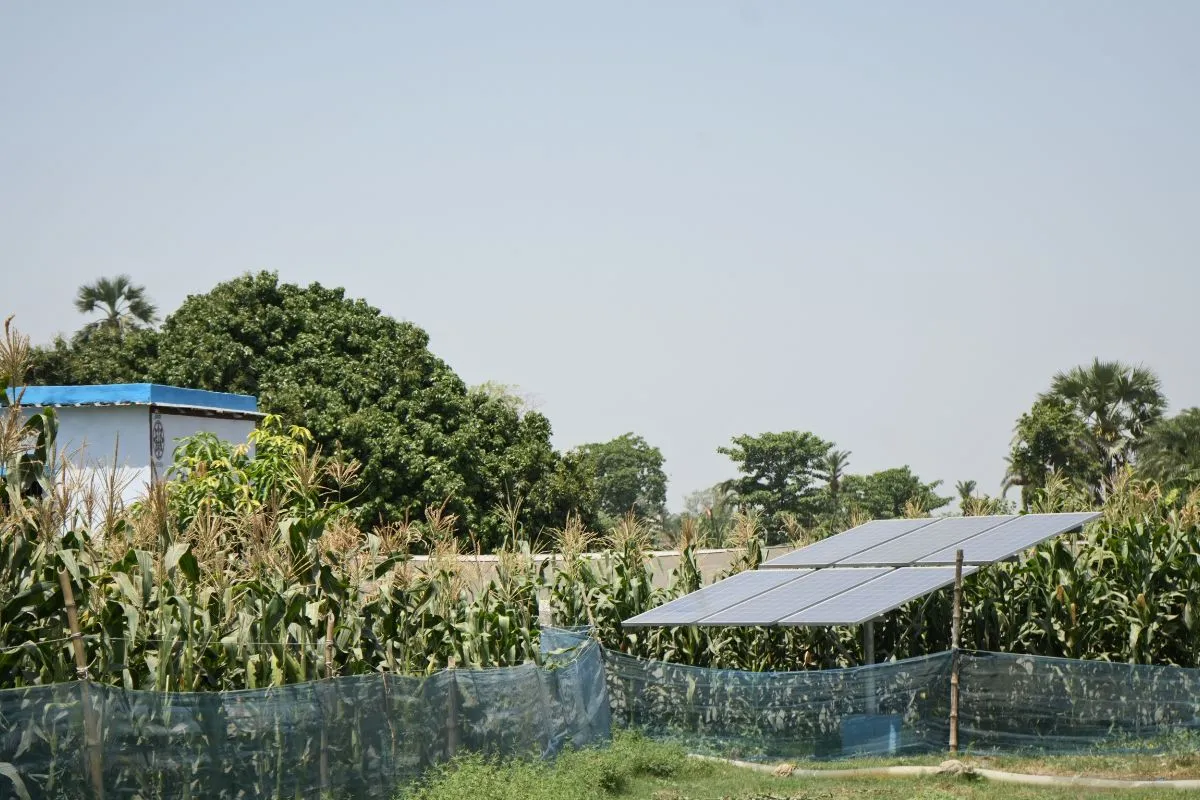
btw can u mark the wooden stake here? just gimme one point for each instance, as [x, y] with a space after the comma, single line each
[329, 645]
[91, 730]
[869, 659]
[325, 785]
[452, 712]
[955, 633]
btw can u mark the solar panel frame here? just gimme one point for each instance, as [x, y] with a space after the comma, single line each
[815, 587]
[713, 598]
[869, 600]
[909, 549]
[827, 552]
[1014, 536]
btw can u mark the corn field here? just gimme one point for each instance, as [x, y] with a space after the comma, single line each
[245, 572]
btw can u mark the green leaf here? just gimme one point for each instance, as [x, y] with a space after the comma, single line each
[10, 772]
[174, 553]
[189, 566]
[72, 566]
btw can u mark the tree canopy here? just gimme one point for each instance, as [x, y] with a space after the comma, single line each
[1051, 438]
[366, 383]
[102, 355]
[123, 304]
[781, 474]
[1170, 451]
[1087, 427]
[628, 476]
[891, 493]
[368, 386]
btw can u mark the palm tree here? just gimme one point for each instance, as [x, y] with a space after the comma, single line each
[966, 490]
[834, 467]
[1117, 402]
[123, 305]
[1170, 451]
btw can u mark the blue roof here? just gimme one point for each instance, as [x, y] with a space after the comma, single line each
[140, 394]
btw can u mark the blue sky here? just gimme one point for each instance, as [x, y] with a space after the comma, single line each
[886, 223]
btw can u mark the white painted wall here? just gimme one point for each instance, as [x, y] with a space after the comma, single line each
[106, 446]
[177, 427]
[110, 448]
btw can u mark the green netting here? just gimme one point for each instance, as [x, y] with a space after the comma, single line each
[1007, 704]
[893, 708]
[1014, 703]
[359, 737]
[364, 736]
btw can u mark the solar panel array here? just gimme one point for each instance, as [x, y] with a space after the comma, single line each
[853, 577]
[1009, 539]
[932, 542]
[872, 598]
[711, 599]
[770, 607]
[828, 552]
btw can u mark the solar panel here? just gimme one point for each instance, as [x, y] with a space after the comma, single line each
[1010, 538]
[869, 600]
[688, 609]
[770, 607]
[905, 550]
[828, 552]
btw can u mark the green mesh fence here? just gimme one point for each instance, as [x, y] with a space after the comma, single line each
[365, 736]
[353, 737]
[1014, 703]
[1007, 704]
[894, 708]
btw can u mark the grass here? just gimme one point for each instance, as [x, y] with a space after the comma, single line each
[634, 768]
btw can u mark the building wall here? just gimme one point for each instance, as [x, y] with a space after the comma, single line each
[110, 448]
[176, 427]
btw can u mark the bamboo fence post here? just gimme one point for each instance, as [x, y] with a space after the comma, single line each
[869, 660]
[452, 711]
[329, 645]
[91, 732]
[955, 634]
[325, 787]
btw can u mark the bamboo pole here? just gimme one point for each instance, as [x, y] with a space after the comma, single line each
[452, 711]
[329, 645]
[955, 634]
[869, 659]
[91, 731]
[325, 786]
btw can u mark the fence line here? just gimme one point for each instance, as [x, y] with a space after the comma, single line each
[367, 734]
[362, 735]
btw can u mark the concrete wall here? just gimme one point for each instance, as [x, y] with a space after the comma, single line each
[478, 570]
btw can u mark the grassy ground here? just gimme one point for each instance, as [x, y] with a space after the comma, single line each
[636, 769]
[1124, 766]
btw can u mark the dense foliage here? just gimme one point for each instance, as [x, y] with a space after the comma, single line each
[628, 476]
[1097, 421]
[1170, 451]
[363, 383]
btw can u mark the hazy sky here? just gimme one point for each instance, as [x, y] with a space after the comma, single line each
[887, 223]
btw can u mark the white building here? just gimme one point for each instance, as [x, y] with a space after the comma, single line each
[129, 431]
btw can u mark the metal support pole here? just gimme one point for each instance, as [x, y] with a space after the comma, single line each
[955, 634]
[868, 659]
